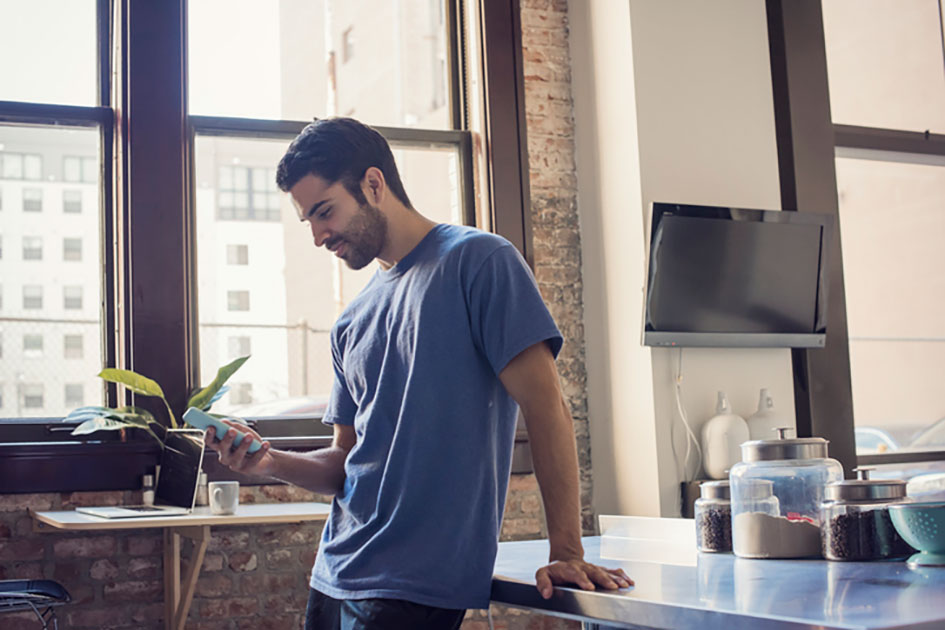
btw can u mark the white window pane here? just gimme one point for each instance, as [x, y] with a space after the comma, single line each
[32, 167]
[72, 169]
[884, 63]
[48, 48]
[296, 290]
[58, 292]
[12, 166]
[392, 50]
[892, 225]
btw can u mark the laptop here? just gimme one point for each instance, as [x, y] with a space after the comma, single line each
[176, 490]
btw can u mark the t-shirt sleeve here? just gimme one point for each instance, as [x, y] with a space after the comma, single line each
[507, 314]
[341, 406]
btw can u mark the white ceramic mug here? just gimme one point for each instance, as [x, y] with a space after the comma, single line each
[224, 496]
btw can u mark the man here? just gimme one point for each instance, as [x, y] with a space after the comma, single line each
[430, 360]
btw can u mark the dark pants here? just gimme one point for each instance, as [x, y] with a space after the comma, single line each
[327, 613]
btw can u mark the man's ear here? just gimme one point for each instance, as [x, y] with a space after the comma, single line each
[373, 185]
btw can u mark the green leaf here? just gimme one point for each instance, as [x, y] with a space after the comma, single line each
[108, 419]
[133, 381]
[204, 398]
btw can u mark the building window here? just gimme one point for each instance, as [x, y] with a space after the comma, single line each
[33, 346]
[241, 393]
[32, 248]
[72, 249]
[347, 45]
[237, 254]
[33, 395]
[32, 200]
[74, 395]
[237, 300]
[72, 201]
[248, 194]
[80, 169]
[32, 297]
[72, 346]
[21, 166]
[239, 346]
[72, 298]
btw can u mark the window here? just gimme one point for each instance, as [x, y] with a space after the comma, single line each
[19, 166]
[72, 347]
[239, 346]
[32, 395]
[72, 298]
[237, 300]
[891, 193]
[241, 393]
[248, 194]
[32, 200]
[237, 254]
[58, 107]
[80, 169]
[72, 249]
[33, 346]
[32, 297]
[74, 395]
[72, 201]
[32, 248]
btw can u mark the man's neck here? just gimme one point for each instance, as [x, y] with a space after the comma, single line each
[405, 229]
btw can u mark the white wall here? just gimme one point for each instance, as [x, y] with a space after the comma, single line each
[672, 103]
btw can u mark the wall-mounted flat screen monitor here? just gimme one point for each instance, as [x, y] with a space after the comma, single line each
[735, 277]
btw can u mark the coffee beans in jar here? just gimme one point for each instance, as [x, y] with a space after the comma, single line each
[713, 512]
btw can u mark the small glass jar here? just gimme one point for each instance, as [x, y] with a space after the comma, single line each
[147, 489]
[713, 512]
[856, 523]
[797, 469]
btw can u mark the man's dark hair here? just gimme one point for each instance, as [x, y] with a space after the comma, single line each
[340, 149]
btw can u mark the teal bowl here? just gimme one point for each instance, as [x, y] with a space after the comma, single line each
[922, 525]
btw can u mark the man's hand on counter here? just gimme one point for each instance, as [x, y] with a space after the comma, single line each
[582, 574]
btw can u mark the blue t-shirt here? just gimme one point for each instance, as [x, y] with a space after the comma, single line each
[416, 357]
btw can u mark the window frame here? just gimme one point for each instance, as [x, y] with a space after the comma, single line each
[807, 143]
[147, 201]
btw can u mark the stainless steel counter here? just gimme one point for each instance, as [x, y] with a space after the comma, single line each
[678, 588]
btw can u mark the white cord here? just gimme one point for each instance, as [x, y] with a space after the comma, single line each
[690, 436]
[489, 612]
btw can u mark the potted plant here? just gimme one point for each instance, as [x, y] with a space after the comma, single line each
[95, 418]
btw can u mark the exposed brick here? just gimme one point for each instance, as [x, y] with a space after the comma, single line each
[103, 569]
[5, 530]
[254, 583]
[74, 499]
[22, 571]
[85, 547]
[279, 558]
[216, 585]
[134, 590]
[229, 607]
[288, 536]
[213, 562]
[111, 617]
[145, 567]
[280, 622]
[21, 549]
[243, 561]
[144, 545]
[228, 539]
[23, 502]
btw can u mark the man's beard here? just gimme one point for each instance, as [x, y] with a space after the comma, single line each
[364, 237]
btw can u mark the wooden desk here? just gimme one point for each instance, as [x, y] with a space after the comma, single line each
[196, 526]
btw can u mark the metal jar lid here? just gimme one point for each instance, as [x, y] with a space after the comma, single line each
[784, 448]
[715, 490]
[865, 489]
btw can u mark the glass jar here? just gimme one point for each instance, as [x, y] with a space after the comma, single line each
[713, 512]
[855, 519]
[798, 469]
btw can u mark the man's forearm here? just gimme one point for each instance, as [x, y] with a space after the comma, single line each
[554, 455]
[321, 471]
